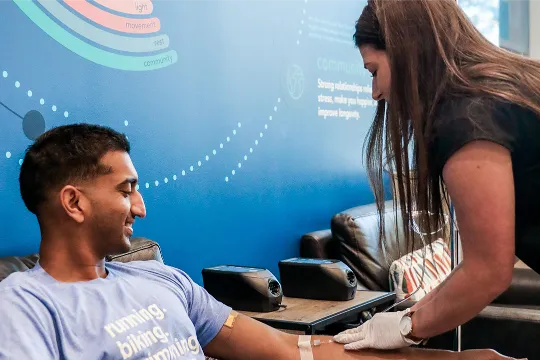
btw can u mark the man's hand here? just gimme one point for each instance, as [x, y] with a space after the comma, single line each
[381, 332]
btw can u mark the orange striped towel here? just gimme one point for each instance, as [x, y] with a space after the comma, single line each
[406, 273]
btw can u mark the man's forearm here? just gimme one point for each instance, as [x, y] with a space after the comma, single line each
[458, 301]
[249, 339]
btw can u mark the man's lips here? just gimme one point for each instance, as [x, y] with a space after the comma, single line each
[128, 229]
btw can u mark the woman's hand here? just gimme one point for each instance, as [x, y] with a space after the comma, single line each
[381, 332]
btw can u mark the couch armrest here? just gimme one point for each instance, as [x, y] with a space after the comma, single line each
[357, 230]
[319, 245]
[141, 249]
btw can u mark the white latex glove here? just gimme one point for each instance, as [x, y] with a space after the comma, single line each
[380, 332]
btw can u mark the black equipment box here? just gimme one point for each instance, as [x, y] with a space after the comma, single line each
[318, 279]
[243, 288]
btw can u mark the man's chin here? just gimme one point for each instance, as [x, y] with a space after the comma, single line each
[127, 243]
[121, 247]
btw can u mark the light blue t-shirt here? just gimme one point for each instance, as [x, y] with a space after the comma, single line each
[141, 310]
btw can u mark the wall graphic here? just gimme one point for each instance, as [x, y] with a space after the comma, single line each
[247, 118]
[124, 40]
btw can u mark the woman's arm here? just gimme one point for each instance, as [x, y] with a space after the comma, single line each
[480, 182]
[431, 295]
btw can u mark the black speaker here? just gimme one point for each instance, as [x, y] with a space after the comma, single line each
[318, 279]
[243, 288]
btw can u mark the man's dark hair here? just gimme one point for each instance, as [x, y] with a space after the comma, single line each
[63, 155]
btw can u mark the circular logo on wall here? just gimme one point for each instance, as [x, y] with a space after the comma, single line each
[296, 81]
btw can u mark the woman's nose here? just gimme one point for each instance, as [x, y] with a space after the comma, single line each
[375, 93]
[376, 96]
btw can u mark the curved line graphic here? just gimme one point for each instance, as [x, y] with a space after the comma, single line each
[11, 110]
[134, 7]
[98, 56]
[110, 40]
[115, 22]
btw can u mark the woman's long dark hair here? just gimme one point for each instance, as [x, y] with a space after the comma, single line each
[434, 51]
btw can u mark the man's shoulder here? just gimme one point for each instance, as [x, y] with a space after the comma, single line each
[139, 266]
[17, 284]
[150, 268]
[18, 278]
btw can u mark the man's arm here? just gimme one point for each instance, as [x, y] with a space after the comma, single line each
[249, 339]
[26, 329]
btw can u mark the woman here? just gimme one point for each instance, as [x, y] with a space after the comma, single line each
[470, 112]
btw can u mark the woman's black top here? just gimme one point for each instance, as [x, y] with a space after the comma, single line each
[462, 120]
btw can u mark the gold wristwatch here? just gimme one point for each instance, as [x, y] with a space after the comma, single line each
[406, 329]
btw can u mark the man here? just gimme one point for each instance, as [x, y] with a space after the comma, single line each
[81, 184]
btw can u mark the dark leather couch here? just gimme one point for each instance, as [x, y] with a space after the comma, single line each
[510, 325]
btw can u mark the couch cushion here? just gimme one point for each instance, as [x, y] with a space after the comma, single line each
[11, 264]
[511, 331]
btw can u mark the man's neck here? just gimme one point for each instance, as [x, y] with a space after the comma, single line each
[70, 260]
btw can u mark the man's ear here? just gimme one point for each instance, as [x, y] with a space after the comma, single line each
[74, 203]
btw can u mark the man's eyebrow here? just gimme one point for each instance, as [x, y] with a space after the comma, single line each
[130, 180]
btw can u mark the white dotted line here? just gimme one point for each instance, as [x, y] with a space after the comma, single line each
[256, 142]
[301, 24]
[261, 134]
[31, 94]
[199, 163]
[8, 156]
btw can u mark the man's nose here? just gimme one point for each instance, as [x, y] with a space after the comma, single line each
[137, 206]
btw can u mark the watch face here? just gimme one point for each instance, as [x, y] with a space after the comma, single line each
[405, 325]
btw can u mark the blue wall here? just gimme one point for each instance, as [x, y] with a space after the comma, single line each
[243, 74]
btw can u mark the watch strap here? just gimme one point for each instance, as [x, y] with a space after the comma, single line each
[410, 335]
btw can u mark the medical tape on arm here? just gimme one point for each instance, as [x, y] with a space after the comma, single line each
[231, 319]
[304, 344]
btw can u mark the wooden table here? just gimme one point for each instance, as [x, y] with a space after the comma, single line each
[308, 315]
